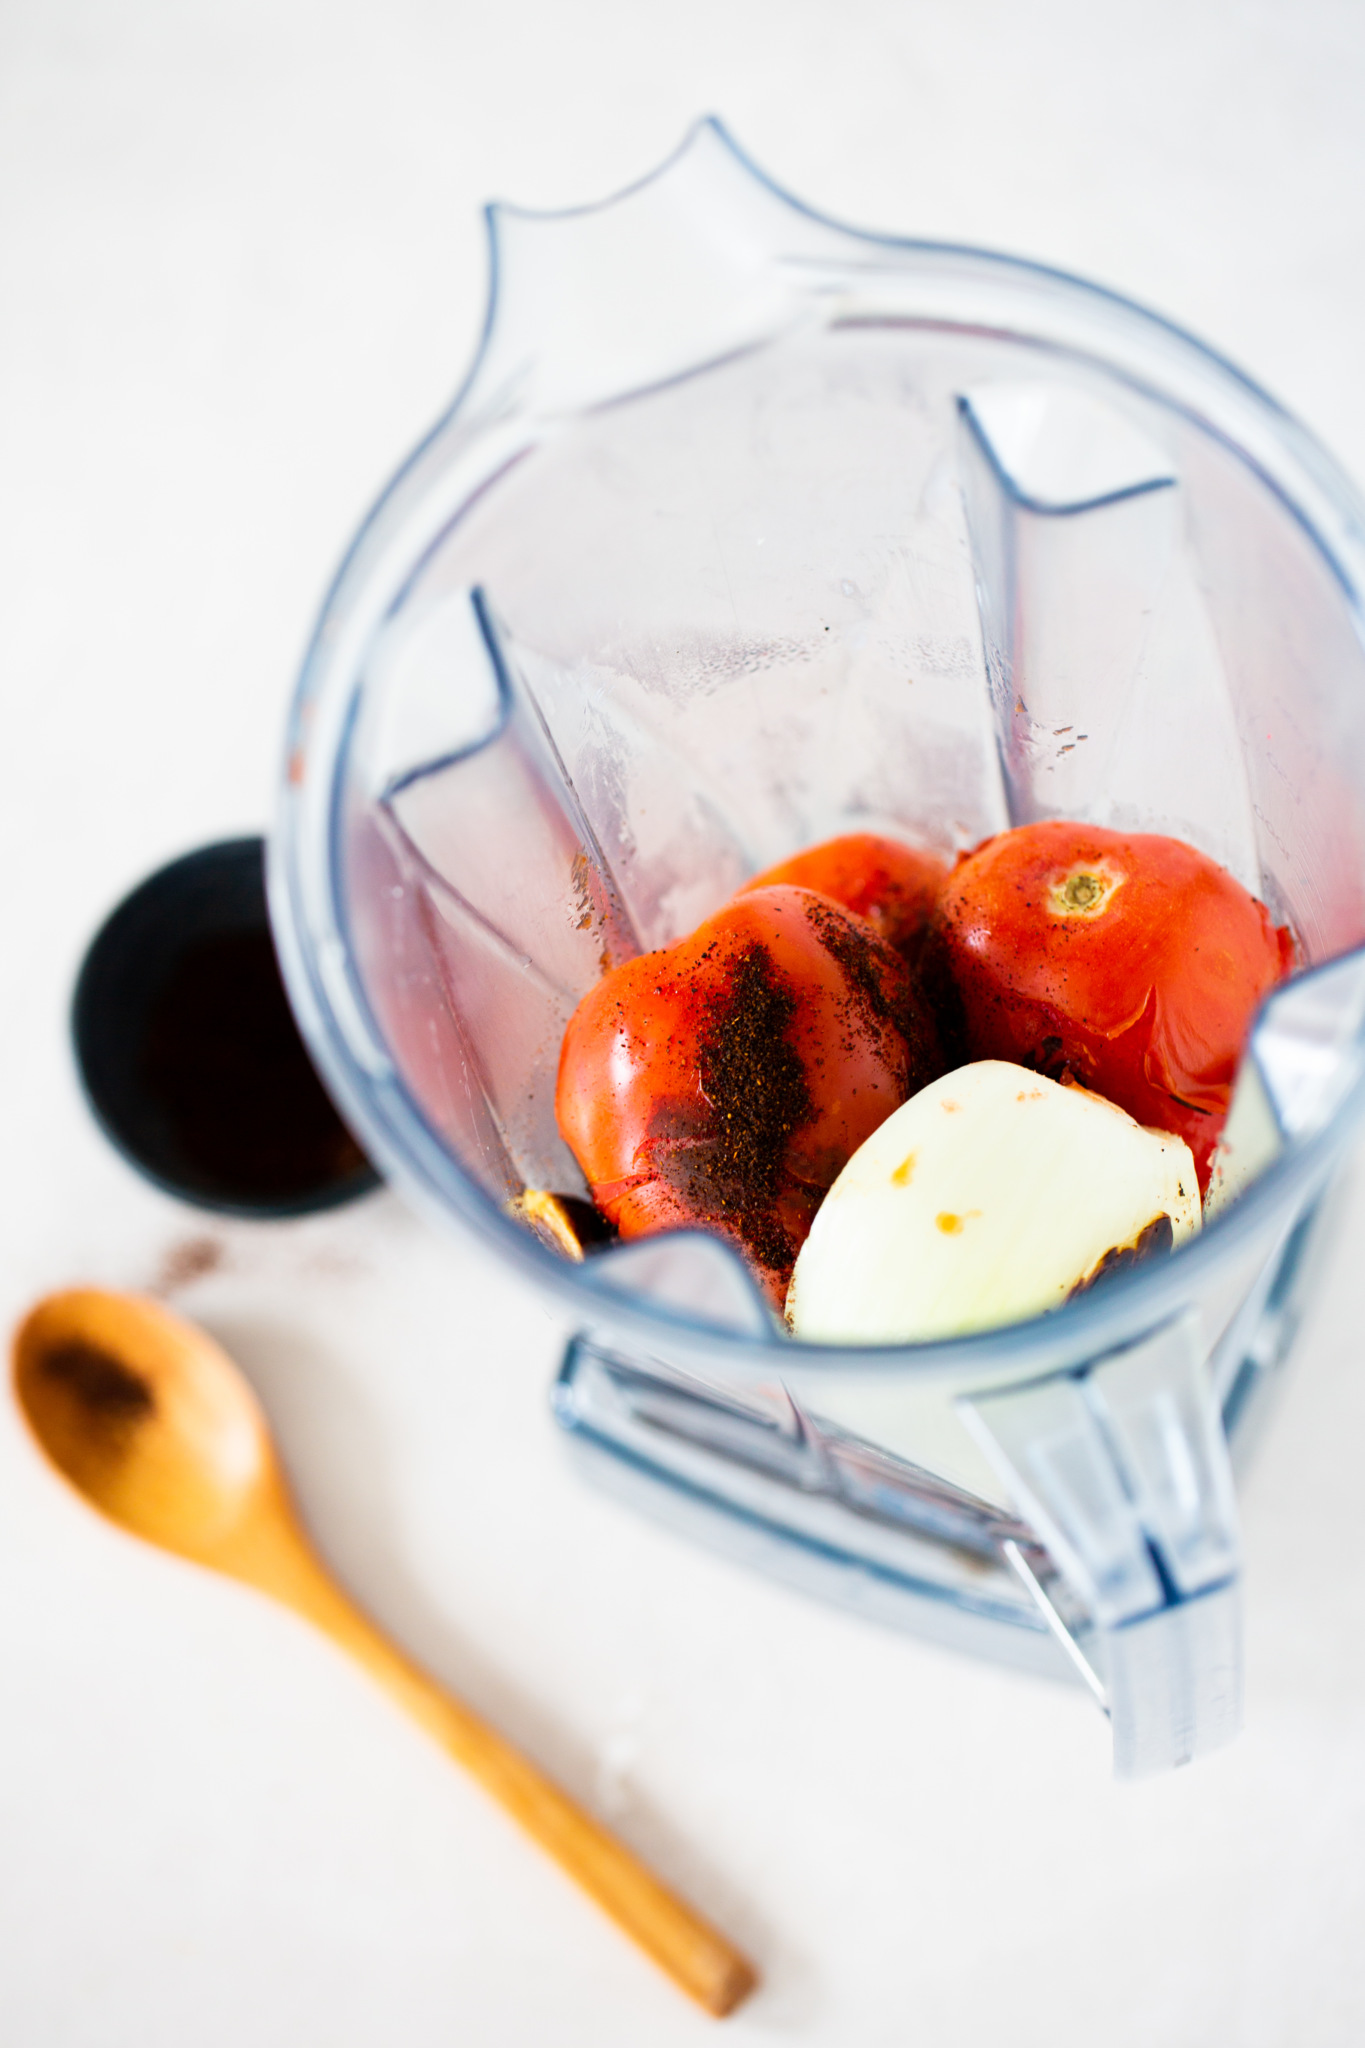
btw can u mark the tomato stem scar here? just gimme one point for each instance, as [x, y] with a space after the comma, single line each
[1085, 891]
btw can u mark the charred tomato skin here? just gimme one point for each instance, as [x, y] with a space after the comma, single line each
[722, 1083]
[1131, 961]
[892, 885]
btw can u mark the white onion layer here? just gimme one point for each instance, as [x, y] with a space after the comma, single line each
[988, 1197]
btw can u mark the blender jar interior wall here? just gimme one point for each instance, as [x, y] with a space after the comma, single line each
[799, 593]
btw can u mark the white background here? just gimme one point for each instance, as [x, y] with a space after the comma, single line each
[241, 269]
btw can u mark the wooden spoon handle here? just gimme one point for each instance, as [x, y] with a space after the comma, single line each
[695, 1955]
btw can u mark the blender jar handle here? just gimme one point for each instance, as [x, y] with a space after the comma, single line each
[1121, 1469]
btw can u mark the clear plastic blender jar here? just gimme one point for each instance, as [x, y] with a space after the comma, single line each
[747, 530]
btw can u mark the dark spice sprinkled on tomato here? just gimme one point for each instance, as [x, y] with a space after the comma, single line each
[755, 1090]
[724, 1082]
[850, 947]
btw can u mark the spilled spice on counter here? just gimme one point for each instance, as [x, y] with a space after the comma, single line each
[193, 1258]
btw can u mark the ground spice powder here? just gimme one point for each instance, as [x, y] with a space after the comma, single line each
[756, 1085]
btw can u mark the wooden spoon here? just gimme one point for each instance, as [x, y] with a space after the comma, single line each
[150, 1420]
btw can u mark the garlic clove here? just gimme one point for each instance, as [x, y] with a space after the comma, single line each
[991, 1195]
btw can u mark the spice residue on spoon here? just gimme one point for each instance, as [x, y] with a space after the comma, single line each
[93, 1406]
[101, 1383]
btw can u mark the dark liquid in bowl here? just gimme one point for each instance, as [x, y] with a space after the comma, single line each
[189, 1052]
[222, 1055]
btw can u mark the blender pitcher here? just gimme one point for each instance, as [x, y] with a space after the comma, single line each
[746, 530]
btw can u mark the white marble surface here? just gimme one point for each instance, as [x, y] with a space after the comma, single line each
[242, 268]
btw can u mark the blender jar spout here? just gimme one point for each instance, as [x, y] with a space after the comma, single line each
[687, 267]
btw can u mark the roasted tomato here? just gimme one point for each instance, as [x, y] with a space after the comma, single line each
[892, 885]
[723, 1082]
[1130, 961]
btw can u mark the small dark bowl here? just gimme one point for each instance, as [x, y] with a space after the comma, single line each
[189, 1052]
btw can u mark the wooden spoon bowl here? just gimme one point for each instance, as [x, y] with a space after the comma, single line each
[147, 1417]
